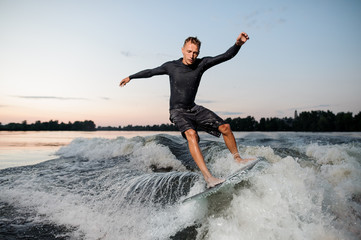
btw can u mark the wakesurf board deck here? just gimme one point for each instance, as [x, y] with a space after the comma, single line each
[233, 179]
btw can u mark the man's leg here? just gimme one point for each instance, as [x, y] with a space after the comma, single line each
[230, 142]
[192, 138]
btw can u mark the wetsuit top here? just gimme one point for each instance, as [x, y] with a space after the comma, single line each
[185, 79]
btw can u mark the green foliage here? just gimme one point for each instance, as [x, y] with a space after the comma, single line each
[320, 121]
[49, 126]
[314, 121]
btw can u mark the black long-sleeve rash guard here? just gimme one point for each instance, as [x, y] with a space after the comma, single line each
[185, 79]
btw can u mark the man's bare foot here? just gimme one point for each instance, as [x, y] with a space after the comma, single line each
[238, 158]
[212, 182]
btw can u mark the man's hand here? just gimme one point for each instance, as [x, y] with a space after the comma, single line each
[242, 38]
[124, 81]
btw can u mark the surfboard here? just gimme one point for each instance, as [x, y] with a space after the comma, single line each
[232, 179]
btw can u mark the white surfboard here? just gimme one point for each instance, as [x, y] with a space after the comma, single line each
[234, 178]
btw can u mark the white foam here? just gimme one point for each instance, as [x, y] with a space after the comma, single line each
[340, 170]
[157, 155]
[141, 153]
[291, 202]
[340, 166]
[100, 216]
[223, 163]
[279, 205]
[285, 201]
[100, 148]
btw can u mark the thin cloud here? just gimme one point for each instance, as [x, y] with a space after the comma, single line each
[204, 101]
[290, 111]
[229, 113]
[322, 106]
[165, 55]
[127, 53]
[265, 18]
[50, 97]
[105, 98]
[310, 107]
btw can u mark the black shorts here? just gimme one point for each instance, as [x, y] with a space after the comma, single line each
[196, 118]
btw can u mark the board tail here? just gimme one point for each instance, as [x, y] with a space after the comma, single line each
[236, 177]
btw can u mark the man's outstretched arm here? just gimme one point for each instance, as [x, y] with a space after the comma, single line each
[230, 53]
[145, 74]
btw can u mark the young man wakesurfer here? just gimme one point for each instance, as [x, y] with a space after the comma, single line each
[185, 75]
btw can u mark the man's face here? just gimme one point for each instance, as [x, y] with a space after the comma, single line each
[190, 53]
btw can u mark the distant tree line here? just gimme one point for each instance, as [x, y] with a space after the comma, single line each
[314, 121]
[50, 126]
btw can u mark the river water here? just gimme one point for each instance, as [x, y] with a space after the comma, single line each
[130, 185]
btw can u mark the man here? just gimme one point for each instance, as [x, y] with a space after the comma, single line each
[185, 75]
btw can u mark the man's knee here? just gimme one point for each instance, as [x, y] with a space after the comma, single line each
[191, 135]
[225, 129]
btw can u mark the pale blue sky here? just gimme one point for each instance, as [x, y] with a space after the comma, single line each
[63, 60]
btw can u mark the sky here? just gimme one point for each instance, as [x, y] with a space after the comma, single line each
[63, 60]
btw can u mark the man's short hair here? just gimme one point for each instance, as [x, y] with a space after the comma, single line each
[193, 40]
